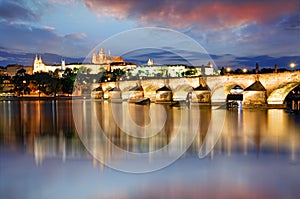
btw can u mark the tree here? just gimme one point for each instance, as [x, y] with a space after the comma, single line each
[67, 85]
[47, 83]
[54, 86]
[238, 71]
[1, 83]
[68, 81]
[21, 81]
[82, 70]
[222, 71]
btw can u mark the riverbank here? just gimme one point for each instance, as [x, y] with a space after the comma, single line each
[50, 98]
[34, 98]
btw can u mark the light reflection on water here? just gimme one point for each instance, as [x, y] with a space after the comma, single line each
[256, 156]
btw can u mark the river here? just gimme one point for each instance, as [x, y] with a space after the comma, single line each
[96, 149]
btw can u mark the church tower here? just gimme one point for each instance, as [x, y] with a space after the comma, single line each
[36, 60]
[94, 58]
[150, 62]
[102, 56]
[63, 64]
[38, 65]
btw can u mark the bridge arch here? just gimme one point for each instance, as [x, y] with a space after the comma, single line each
[278, 95]
[218, 94]
[181, 91]
[230, 85]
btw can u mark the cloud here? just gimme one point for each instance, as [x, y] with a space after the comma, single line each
[206, 13]
[75, 36]
[248, 27]
[62, 2]
[50, 28]
[15, 10]
[34, 39]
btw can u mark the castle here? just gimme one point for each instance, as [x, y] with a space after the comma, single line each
[102, 58]
[99, 61]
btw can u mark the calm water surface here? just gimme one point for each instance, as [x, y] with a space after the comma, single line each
[50, 150]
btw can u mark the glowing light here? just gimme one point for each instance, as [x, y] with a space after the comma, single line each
[245, 70]
[292, 65]
[228, 69]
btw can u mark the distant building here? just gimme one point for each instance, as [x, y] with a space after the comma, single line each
[99, 62]
[12, 70]
[38, 65]
[150, 62]
[206, 70]
[102, 58]
[3, 71]
[151, 70]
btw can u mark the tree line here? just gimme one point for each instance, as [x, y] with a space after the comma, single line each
[50, 83]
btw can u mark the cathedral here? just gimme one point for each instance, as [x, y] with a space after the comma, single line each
[38, 65]
[102, 58]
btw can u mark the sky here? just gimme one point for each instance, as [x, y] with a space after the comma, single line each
[228, 30]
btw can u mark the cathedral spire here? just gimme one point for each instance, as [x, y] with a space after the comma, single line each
[150, 62]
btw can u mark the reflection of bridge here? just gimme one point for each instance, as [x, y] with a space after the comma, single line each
[277, 85]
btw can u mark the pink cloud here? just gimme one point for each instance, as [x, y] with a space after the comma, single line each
[206, 13]
[50, 28]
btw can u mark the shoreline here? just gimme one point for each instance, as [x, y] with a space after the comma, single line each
[37, 98]
[50, 98]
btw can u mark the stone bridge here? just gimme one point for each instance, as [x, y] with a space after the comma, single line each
[278, 85]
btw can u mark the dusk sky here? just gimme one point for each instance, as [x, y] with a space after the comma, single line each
[227, 28]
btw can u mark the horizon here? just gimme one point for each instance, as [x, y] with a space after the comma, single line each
[264, 61]
[233, 33]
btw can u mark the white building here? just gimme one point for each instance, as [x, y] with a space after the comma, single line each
[38, 65]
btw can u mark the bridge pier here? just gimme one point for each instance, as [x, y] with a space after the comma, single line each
[277, 86]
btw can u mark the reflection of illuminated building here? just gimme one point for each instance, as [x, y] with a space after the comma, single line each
[47, 147]
[46, 129]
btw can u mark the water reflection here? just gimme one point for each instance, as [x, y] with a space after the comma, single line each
[41, 156]
[46, 129]
[42, 128]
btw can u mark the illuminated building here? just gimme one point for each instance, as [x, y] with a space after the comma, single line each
[38, 65]
[102, 58]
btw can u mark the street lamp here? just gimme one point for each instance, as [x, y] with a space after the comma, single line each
[228, 69]
[245, 70]
[292, 65]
